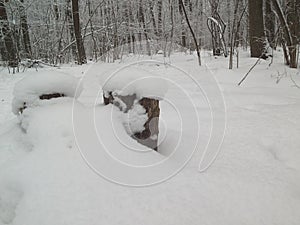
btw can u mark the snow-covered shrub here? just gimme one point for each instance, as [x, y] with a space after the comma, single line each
[41, 86]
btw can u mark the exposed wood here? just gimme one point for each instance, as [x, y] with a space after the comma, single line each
[149, 136]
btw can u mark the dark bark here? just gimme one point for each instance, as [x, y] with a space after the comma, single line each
[192, 31]
[152, 17]
[25, 30]
[10, 50]
[71, 27]
[149, 136]
[79, 42]
[293, 23]
[92, 30]
[115, 35]
[256, 28]
[216, 42]
[128, 20]
[289, 25]
[233, 35]
[142, 21]
[172, 26]
[131, 36]
[183, 33]
[159, 23]
[270, 23]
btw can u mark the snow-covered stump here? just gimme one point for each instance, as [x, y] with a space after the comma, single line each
[137, 91]
[131, 105]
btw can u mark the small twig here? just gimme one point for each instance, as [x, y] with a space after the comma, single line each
[279, 76]
[295, 84]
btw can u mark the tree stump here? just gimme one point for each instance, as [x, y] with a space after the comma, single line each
[148, 136]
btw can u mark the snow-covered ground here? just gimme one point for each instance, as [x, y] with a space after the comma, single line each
[61, 162]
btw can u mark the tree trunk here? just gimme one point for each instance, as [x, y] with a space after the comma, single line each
[92, 31]
[270, 23]
[293, 24]
[256, 28]
[77, 30]
[233, 34]
[71, 28]
[192, 32]
[143, 22]
[25, 30]
[287, 25]
[152, 17]
[183, 33]
[10, 51]
[159, 5]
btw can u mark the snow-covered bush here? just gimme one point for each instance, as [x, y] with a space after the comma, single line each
[37, 87]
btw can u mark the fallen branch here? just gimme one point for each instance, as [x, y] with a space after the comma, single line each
[257, 61]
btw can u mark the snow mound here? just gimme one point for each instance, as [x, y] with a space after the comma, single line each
[135, 119]
[27, 92]
[133, 80]
[9, 200]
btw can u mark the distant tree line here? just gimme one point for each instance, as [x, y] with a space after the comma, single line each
[56, 31]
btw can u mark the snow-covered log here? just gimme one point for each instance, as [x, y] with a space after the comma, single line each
[41, 86]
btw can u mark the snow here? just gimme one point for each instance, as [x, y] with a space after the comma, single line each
[135, 119]
[64, 168]
[131, 79]
[30, 88]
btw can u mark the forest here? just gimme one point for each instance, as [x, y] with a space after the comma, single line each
[56, 32]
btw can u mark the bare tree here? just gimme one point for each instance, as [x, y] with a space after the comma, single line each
[256, 28]
[10, 50]
[142, 22]
[192, 32]
[290, 26]
[25, 30]
[233, 36]
[270, 23]
[293, 23]
[80, 47]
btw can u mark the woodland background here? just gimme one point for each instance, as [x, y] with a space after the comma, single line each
[55, 32]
